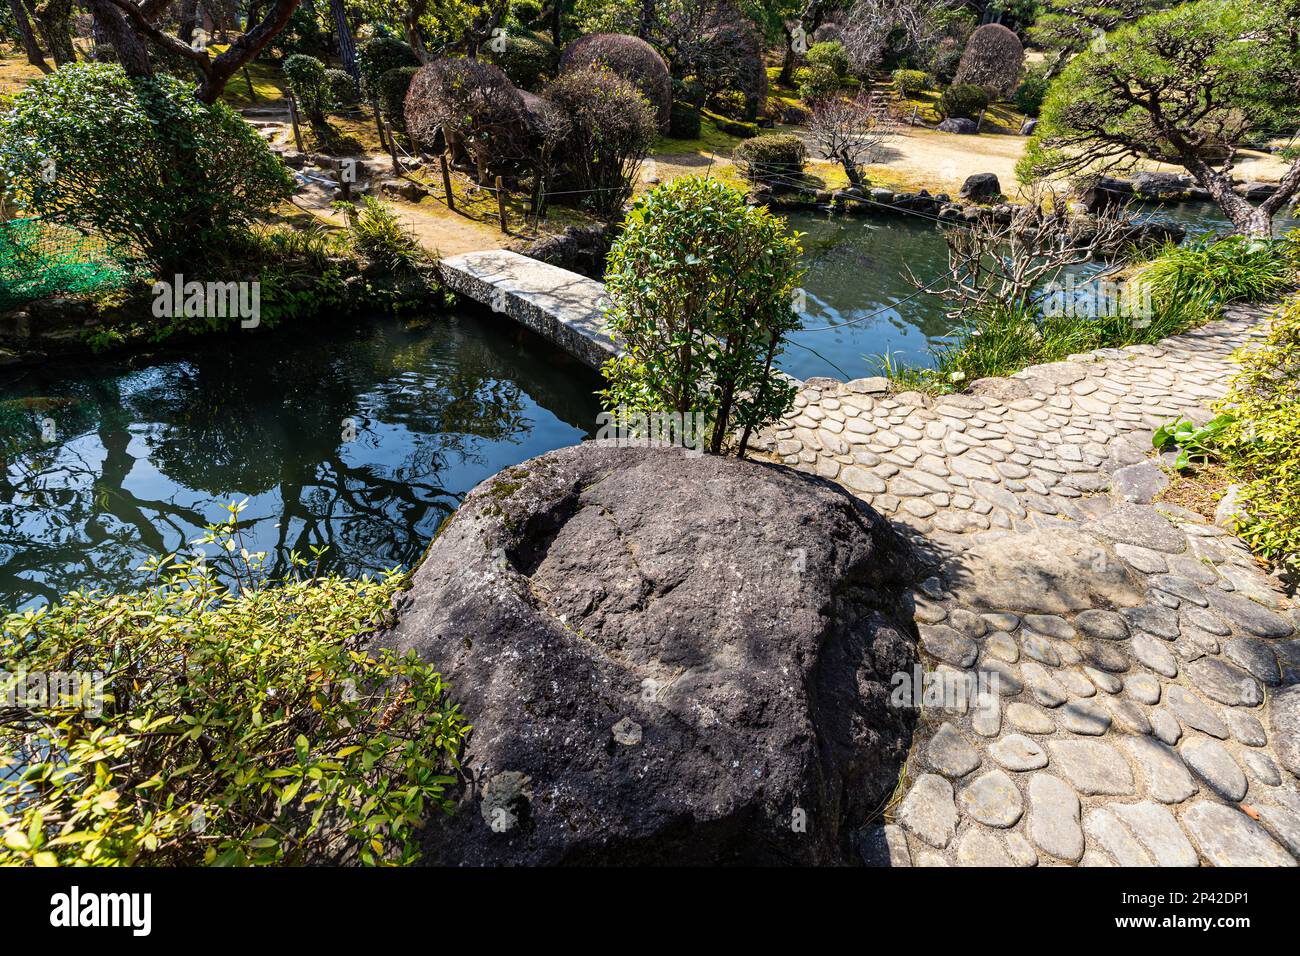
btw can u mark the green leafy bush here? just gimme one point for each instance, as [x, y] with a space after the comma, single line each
[771, 158]
[730, 103]
[1031, 92]
[684, 122]
[379, 235]
[1193, 442]
[377, 56]
[1261, 445]
[816, 83]
[525, 12]
[393, 86]
[339, 89]
[527, 59]
[306, 78]
[702, 287]
[1197, 278]
[964, 101]
[139, 162]
[226, 726]
[829, 54]
[911, 82]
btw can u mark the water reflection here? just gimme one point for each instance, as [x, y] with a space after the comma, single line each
[363, 440]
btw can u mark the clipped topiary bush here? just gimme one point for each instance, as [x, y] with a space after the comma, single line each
[816, 83]
[730, 103]
[685, 122]
[772, 158]
[911, 82]
[963, 100]
[994, 60]
[306, 78]
[830, 54]
[611, 130]
[338, 90]
[392, 89]
[377, 56]
[529, 60]
[632, 59]
[476, 108]
[1031, 92]
[140, 162]
[525, 12]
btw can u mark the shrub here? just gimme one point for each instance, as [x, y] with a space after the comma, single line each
[611, 129]
[994, 59]
[525, 12]
[139, 162]
[911, 82]
[306, 78]
[771, 158]
[377, 233]
[1031, 92]
[963, 101]
[377, 56]
[392, 89]
[830, 54]
[725, 53]
[527, 59]
[684, 122]
[1261, 444]
[339, 89]
[631, 58]
[730, 103]
[690, 90]
[1195, 279]
[243, 725]
[476, 107]
[816, 83]
[702, 286]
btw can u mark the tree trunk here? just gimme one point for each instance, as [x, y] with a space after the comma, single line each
[127, 44]
[347, 47]
[557, 22]
[52, 20]
[33, 50]
[648, 16]
[789, 58]
[189, 18]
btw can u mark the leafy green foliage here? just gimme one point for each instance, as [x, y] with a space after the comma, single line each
[684, 123]
[1192, 441]
[393, 86]
[1031, 92]
[140, 162]
[816, 83]
[771, 158]
[377, 56]
[830, 54]
[964, 101]
[528, 59]
[730, 103]
[1261, 445]
[339, 89]
[911, 82]
[378, 234]
[702, 287]
[237, 725]
[1197, 278]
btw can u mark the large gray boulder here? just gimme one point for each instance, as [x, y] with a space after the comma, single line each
[959, 124]
[981, 187]
[665, 659]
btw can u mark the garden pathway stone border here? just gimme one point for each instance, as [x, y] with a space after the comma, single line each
[1128, 667]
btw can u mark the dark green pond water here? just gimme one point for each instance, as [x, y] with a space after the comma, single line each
[146, 454]
[860, 305]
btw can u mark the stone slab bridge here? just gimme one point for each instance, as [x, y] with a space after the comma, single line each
[563, 307]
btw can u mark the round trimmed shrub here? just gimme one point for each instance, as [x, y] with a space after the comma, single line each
[632, 59]
[771, 158]
[525, 12]
[377, 56]
[306, 78]
[830, 54]
[474, 105]
[994, 59]
[911, 82]
[816, 83]
[528, 60]
[685, 122]
[730, 103]
[338, 89]
[140, 162]
[690, 91]
[392, 89]
[963, 100]
[1031, 92]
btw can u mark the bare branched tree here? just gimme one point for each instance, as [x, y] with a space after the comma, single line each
[1001, 264]
[851, 132]
[871, 24]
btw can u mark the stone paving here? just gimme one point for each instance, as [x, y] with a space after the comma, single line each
[1108, 681]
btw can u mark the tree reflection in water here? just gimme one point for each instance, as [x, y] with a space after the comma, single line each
[362, 440]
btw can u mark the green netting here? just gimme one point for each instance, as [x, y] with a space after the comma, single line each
[38, 260]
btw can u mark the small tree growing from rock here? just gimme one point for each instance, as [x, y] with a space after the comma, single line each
[851, 132]
[994, 60]
[702, 285]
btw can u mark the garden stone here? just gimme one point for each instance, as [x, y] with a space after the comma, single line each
[1249, 616]
[950, 754]
[959, 124]
[1083, 717]
[1227, 837]
[1018, 752]
[992, 799]
[1154, 654]
[1167, 778]
[1138, 484]
[1261, 767]
[1246, 728]
[746, 662]
[1256, 656]
[1112, 836]
[1030, 719]
[1221, 681]
[1213, 764]
[1165, 726]
[981, 187]
[885, 845]
[1143, 688]
[1158, 831]
[1194, 712]
[1284, 727]
[947, 645]
[1154, 620]
[1282, 825]
[978, 847]
[928, 810]
[1054, 817]
[1139, 525]
[1103, 625]
[1091, 766]
[1129, 717]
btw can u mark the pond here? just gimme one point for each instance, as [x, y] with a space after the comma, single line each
[860, 305]
[363, 439]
